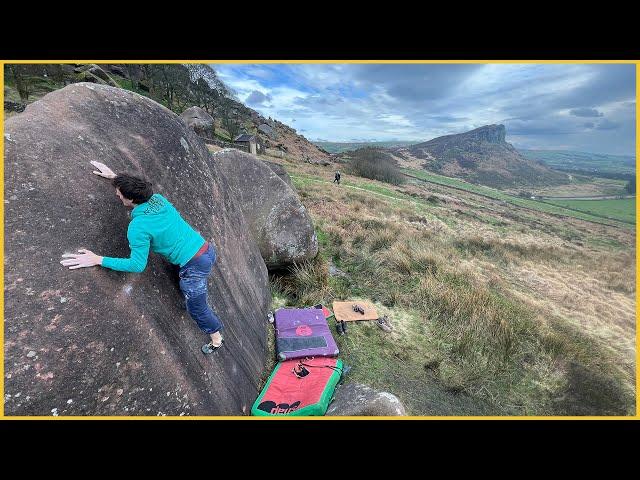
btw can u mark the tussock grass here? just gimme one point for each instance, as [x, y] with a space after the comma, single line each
[463, 342]
[509, 251]
[381, 240]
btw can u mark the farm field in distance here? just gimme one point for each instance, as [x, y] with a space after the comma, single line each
[623, 209]
[546, 206]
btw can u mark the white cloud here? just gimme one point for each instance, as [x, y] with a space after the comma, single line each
[419, 102]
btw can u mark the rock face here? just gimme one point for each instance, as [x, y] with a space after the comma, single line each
[280, 171]
[268, 131]
[93, 341]
[199, 120]
[481, 156]
[356, 400]
[278, 221]
[115, 70]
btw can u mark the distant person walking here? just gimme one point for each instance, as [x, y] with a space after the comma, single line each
[157, 225]
[336, 178]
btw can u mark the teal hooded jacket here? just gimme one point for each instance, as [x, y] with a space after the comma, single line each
[157, 225]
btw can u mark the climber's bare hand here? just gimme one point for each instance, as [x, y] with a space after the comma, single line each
[103, 170]
[79, 260]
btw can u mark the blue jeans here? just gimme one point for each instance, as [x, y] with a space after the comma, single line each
[193, 283]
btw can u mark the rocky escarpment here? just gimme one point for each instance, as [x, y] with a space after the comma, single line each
[480, 156]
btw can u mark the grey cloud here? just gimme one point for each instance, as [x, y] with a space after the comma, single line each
[609, 83]
[313, 101]
[415, 82]
[586, 112]
[607, 125]
[542, 126]
[258, 98]
[449, 119]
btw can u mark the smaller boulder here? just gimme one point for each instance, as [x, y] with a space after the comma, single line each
[115, 70]
[357, 400]
[277, 219]
[199, 121]
[95, 74]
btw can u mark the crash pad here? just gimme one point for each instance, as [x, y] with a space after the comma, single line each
[303, 332]
[344, 311]
[325, 310]
[287, 394]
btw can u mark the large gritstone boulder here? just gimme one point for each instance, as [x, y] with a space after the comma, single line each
[199, 120]
[93, 341]
[280, 171]
[277, 219]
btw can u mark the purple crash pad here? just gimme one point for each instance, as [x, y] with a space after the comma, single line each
[303, 332]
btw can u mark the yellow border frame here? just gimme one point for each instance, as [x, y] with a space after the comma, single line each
[3, 417]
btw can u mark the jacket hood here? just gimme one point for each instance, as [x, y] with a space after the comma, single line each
[156, 205]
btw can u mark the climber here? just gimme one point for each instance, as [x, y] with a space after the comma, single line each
[157, 225]
[336, 178]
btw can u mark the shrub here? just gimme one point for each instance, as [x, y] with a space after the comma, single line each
[374, 163]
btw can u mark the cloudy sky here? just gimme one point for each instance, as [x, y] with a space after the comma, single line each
[587, 107]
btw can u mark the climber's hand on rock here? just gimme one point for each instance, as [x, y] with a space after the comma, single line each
[103, 170]
[79, 260]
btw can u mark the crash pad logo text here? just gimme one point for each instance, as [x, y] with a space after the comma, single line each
[278, 408]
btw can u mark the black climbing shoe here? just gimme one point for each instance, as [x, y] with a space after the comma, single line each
[358, 308]
[339, 328]
[344, 326]
[210, 348]
[383, 323]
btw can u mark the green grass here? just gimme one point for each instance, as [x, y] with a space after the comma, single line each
[392, 199]
[39, 88]
[459, 346]
[546, 207]
[623, 209]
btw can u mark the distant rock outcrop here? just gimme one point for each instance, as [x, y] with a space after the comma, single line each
[355, 400]
[481, 156]
[93, 341]
[268, 131]
[199, 121]
[277, 219]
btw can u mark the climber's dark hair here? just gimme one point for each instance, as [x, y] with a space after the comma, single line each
[133, 188]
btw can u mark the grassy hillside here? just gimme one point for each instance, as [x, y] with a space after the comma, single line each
[598, 215]
[496, 309]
